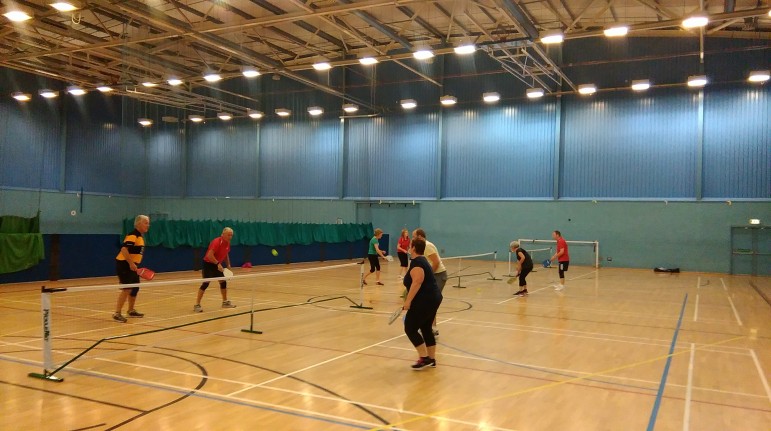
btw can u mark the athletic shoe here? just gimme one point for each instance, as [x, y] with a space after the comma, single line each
[135, 313]
[119, 318]
[558, 287]
[380, 283]
[433, 363]
[423, 363]
[197, 309]
[227, 304]
[521, 293]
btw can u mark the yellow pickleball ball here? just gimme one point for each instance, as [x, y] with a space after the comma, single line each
[274, 252]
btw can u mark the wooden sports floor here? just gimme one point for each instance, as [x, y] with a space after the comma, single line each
[620, 349]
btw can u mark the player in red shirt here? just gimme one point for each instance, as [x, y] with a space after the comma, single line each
[216, 259]
[562, 257]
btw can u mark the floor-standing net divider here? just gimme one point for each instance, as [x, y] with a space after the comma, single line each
[581, 252]
[79, 319]
[538, 255]
[456, 269]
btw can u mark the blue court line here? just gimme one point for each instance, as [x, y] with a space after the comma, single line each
[662, 385]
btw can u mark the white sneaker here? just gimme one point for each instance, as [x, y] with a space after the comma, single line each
[558, 287]
[197, 309]
[228, 304]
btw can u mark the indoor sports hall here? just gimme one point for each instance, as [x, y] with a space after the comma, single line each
[203, 209]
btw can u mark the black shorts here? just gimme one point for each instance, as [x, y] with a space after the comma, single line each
[563, 266]
[211, 270]
[125, 274]
[403, 259]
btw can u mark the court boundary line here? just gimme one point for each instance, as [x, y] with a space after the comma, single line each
[760, 372]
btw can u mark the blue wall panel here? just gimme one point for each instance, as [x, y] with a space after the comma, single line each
[105, 147]
[300, 159]
[501, 152]
[166, 161]
[30, 144]
[737, 143]
[630, 147]
[222, 159]
[392, 157]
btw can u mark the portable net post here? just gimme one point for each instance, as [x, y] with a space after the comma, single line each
[495, 259]
[48, 362]
[251, 329]
[361, 290]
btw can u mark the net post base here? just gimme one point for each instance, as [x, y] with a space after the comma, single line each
[251, 331]
[361, 307]
[46, 376]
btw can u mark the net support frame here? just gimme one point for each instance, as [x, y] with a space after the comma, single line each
[460, 269]
[595, 244]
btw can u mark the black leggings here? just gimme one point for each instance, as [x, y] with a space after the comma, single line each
[420, 318]
[374, 263]
[522, 274]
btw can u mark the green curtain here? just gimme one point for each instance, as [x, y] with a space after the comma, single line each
[198, 233]
[21, 243]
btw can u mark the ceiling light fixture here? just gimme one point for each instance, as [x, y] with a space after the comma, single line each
[697, 80]
[66, 6]
[315, 110]
[448, 100]
[145, 122]
[174, 81]
[465, 49]
[616, 31]
[641, 84]
[350, 108]
[408, 103]
[150, 84]
[368, 61]
[282, 112]
[250, 72]
[225, 116]
[423, 54]
[75, 90]
[552, 37]
[212, 77]
[491, 97]
[535, 93]
[587, 89]
[195, 118]
[104, 88]
[48, 94]
[694, 21]
[21, 97]
[759, 76]
[322, 65]
[18, 13]
[255, 114]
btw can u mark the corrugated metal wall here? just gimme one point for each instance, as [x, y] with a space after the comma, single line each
[166, 168]
[30, 145]
[392, 157]
[104, 153]
[222, 159]
[500, 152]
[636, 146]
[300, 159]
[737, 143]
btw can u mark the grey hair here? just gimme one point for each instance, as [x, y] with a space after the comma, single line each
[139, 218]
[514, 244]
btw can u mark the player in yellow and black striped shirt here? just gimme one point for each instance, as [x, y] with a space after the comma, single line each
[126, 267]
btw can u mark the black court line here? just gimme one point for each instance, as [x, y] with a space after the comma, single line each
[77, 397]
